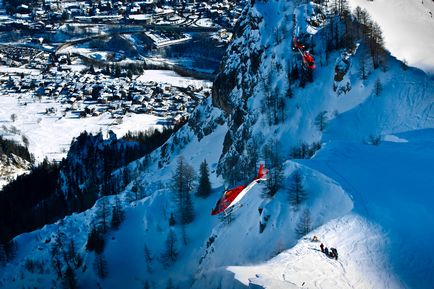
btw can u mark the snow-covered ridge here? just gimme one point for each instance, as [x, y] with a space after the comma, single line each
[360, 264]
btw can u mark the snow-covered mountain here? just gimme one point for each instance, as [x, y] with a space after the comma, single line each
[360, 138]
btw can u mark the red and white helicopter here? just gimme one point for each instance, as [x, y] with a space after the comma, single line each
[231, 197]
[308, 59]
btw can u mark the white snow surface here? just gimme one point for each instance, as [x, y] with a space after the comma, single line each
[170, 77]
[408, 28]
[50, 135]
[360, 264]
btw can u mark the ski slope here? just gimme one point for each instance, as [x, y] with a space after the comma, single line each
[408, 28]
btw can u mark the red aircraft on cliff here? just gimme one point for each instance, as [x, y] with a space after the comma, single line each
[231, 197]
[308, 59]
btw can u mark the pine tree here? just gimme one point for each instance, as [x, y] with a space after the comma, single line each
[95, 240]
[126, 176]
[274, 181]
[378, 87]
[297, 191]
[182, 185]
[187, 214]
[118, 214]
[363, 68]
[204, 188]
[305, 224]
[103, 214]
[321, 120]
[72, 255]
[107, 69]
[69, 279]
[100, 265]
[56, 253]
[170, 253]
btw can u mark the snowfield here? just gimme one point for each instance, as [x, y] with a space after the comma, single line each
[50, 135]
[171, 77]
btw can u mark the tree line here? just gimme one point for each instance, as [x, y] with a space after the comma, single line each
[9, 147]
[52, 190]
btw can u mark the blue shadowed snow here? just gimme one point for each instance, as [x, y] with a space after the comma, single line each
[393, 185]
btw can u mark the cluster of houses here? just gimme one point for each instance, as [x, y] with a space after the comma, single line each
[48, 12]
[12, 55]
[87, 94]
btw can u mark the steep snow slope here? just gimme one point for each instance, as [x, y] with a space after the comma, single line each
[390, 186]
[241, 240]
[408, 28]
[241, 125]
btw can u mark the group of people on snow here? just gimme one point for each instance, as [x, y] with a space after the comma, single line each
[331, 253]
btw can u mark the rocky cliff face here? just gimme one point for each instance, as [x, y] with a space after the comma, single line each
[253, 81]
[240, 64]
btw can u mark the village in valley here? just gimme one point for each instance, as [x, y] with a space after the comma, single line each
[107, 61]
